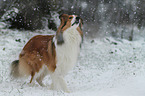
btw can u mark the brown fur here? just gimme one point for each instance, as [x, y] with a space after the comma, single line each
[38, 51]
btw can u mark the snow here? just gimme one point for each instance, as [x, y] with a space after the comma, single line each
[106, 67]
[84, 5]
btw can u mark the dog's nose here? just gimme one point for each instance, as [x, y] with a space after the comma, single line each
[77, 18]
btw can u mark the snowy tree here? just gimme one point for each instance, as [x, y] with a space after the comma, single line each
[31, 13]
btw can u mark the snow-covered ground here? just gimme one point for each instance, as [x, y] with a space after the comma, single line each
[106, 67]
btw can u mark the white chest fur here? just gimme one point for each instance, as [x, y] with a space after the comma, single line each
[68, 52]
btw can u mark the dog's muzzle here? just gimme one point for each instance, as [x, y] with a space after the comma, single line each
[77, 21]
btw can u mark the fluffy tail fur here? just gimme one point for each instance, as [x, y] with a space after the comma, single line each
[20, 69]
[15, 69]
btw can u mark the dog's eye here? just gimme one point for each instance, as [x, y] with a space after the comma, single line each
[70, 17]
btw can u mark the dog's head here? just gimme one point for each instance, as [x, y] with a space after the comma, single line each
[68, 21]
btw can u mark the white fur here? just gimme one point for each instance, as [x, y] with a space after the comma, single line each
[73, 20]
[67, 54]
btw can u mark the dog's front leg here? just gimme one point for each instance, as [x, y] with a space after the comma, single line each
[58, 83]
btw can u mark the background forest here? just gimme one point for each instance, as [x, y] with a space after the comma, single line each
[118, 18]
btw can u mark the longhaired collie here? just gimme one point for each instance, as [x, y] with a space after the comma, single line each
[55, 55]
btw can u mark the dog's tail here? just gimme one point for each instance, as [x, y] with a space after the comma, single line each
[15, 69]
[20, 69]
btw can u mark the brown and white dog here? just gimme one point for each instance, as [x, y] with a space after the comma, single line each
[51, 54]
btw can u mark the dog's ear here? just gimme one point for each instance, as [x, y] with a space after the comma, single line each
[63, 17]
[82, 21]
